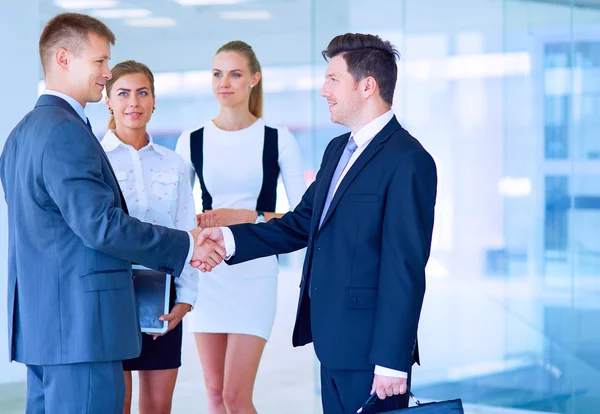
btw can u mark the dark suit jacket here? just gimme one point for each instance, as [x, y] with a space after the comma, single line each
[367, 262]
[70, 294]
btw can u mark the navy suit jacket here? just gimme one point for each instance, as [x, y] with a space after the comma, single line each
[70, 293]
[367, 261]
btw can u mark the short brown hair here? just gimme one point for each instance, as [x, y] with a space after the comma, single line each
[128, 67]
[70, 30]
[256, 95]
[367, 55]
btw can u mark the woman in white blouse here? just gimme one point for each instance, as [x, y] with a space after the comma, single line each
[238, 159]
[157, 190]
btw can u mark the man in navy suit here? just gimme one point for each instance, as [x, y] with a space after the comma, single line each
[367, 221]
[71, 309]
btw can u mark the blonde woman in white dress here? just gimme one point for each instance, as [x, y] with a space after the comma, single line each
[237, 159]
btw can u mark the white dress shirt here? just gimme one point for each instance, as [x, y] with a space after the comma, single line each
[362, 138]
[157, 190]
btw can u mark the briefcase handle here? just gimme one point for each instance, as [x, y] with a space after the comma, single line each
[414, 398]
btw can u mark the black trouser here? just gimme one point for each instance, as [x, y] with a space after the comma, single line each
[344, 392]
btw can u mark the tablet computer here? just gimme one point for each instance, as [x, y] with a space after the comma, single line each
[152, 293]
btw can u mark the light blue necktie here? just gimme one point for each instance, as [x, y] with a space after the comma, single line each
[346, 155]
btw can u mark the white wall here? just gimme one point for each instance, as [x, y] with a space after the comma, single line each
[19, 73]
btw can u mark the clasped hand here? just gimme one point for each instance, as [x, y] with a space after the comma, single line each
[208, 253]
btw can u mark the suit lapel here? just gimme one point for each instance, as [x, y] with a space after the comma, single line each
[373, 148]
[327, 173]
[51, 100]
[123, 202]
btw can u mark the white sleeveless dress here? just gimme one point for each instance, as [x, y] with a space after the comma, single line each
[240, 299]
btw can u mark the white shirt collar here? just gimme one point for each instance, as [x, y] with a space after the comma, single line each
[110, 142]
[73, 102]
[364, 135]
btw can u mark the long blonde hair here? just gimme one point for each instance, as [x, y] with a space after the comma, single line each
[256, 95]
[128, 67]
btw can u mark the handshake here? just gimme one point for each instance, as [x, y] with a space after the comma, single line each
[209, 249]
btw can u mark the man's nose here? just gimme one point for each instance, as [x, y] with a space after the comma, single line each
[324, 91]
[107, 74]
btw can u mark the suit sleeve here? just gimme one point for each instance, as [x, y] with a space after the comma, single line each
[406, 242]
[278, 236]
[72, 172]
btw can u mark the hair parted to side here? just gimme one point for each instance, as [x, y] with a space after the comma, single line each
[70, 30]
[367, 55]
[128, 67]
[256, 95]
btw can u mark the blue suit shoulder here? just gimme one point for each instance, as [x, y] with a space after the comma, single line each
[44, 121]
[409, 150]
[60, 124]
[58, 116]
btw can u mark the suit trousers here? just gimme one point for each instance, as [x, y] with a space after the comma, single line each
[345, 391]
[85, 388]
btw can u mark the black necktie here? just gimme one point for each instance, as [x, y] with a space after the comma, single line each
[87, 120]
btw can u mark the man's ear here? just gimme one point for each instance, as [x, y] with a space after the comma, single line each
[62, 58]
[369, 86]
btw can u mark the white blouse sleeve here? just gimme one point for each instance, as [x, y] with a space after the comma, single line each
[186, 285]
[290, 164]
[184, 151]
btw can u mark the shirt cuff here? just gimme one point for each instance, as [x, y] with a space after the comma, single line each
[186, 286]
[191, 251]
[387, 372]
[188, 298]
[229, 242]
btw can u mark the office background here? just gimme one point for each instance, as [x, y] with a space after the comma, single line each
[505, 94]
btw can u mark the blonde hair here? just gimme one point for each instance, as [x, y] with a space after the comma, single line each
[128, 67]
[70, 30]
[256, 94]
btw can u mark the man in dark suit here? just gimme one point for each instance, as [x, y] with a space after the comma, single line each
[367, 221]
[71, 310]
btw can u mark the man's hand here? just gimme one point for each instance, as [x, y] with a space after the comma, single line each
[214, 236]
[176, 315]
[388, 386]
[206, 252]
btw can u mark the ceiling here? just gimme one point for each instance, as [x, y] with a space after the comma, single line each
[297, 30]
[283, 39]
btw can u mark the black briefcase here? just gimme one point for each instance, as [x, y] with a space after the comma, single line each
[441, 407]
